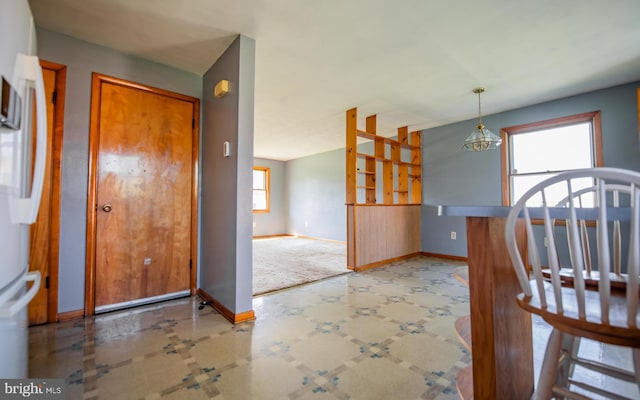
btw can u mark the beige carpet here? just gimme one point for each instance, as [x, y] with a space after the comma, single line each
[284, 262]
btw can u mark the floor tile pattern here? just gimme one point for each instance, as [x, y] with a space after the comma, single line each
[386, 333]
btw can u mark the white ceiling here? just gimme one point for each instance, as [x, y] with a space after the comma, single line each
[411, 62]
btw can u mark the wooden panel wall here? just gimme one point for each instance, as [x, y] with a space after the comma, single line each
[384, 233]
[351, 239]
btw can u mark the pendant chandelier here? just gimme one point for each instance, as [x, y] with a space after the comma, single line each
[481, 139]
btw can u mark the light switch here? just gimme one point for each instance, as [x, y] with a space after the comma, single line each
[226, 149]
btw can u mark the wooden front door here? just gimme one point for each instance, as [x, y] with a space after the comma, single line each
[145, 143]
[44, 233]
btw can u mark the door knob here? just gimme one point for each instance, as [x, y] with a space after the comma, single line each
[107, 207]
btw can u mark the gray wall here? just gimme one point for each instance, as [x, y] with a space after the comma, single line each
[452, 176]
[81, 59]
[273, 222]
[315, 195]
[226, 183]
[314, 188]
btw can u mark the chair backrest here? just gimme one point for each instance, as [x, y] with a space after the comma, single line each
[607, 196]
[588, 197]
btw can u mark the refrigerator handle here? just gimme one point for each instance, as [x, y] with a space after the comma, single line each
[25, 210]
[12, 308]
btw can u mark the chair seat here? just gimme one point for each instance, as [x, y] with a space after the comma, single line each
[615, 332]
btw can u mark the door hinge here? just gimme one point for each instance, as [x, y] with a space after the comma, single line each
[54, 97]
[193, 123]
[190, 264]
[46, 282]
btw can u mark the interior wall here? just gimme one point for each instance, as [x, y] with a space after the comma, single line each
[315, 196]
[273, 222]
[226, 182]
[451, 176]
[81, 59]
[314, 185]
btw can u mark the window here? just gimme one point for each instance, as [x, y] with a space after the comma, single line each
[260, 189]
[536, 151]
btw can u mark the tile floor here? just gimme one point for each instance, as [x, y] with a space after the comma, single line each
[386, 333]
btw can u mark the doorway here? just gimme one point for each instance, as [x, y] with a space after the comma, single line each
[142, 200]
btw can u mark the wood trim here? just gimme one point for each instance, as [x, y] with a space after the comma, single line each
[94, 132]
[552, 123]
[506, 133]
[70, 315]
[225, 312]
[151, 89]
[267, 183]
[284, 235]
[597, 127]
[365, 267]
[445, 256]
[416, 172]
[195, 168]
[280, 235]
[387, 205]
[505, 163]
[94, 136]
[320, 239]
[56, 185]
[352, 150]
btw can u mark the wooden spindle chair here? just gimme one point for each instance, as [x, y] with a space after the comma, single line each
[596, 300]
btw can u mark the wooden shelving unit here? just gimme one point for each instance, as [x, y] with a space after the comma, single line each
[383, 172]
[397, 161]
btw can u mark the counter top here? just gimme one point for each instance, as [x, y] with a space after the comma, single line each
[619, 213]
[473, 211]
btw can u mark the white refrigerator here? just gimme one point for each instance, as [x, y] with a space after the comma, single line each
[20, 185]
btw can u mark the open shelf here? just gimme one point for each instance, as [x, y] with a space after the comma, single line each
[386, 140]
[366, 156]
[383, 194]
[391, 169]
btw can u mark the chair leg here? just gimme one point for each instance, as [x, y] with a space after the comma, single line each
[566, 366]
[548, 372]
[636, 365]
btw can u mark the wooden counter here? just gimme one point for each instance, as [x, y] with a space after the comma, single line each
[500, 330]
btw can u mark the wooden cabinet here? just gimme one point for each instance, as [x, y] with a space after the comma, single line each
[500, 331]
[387, 171]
